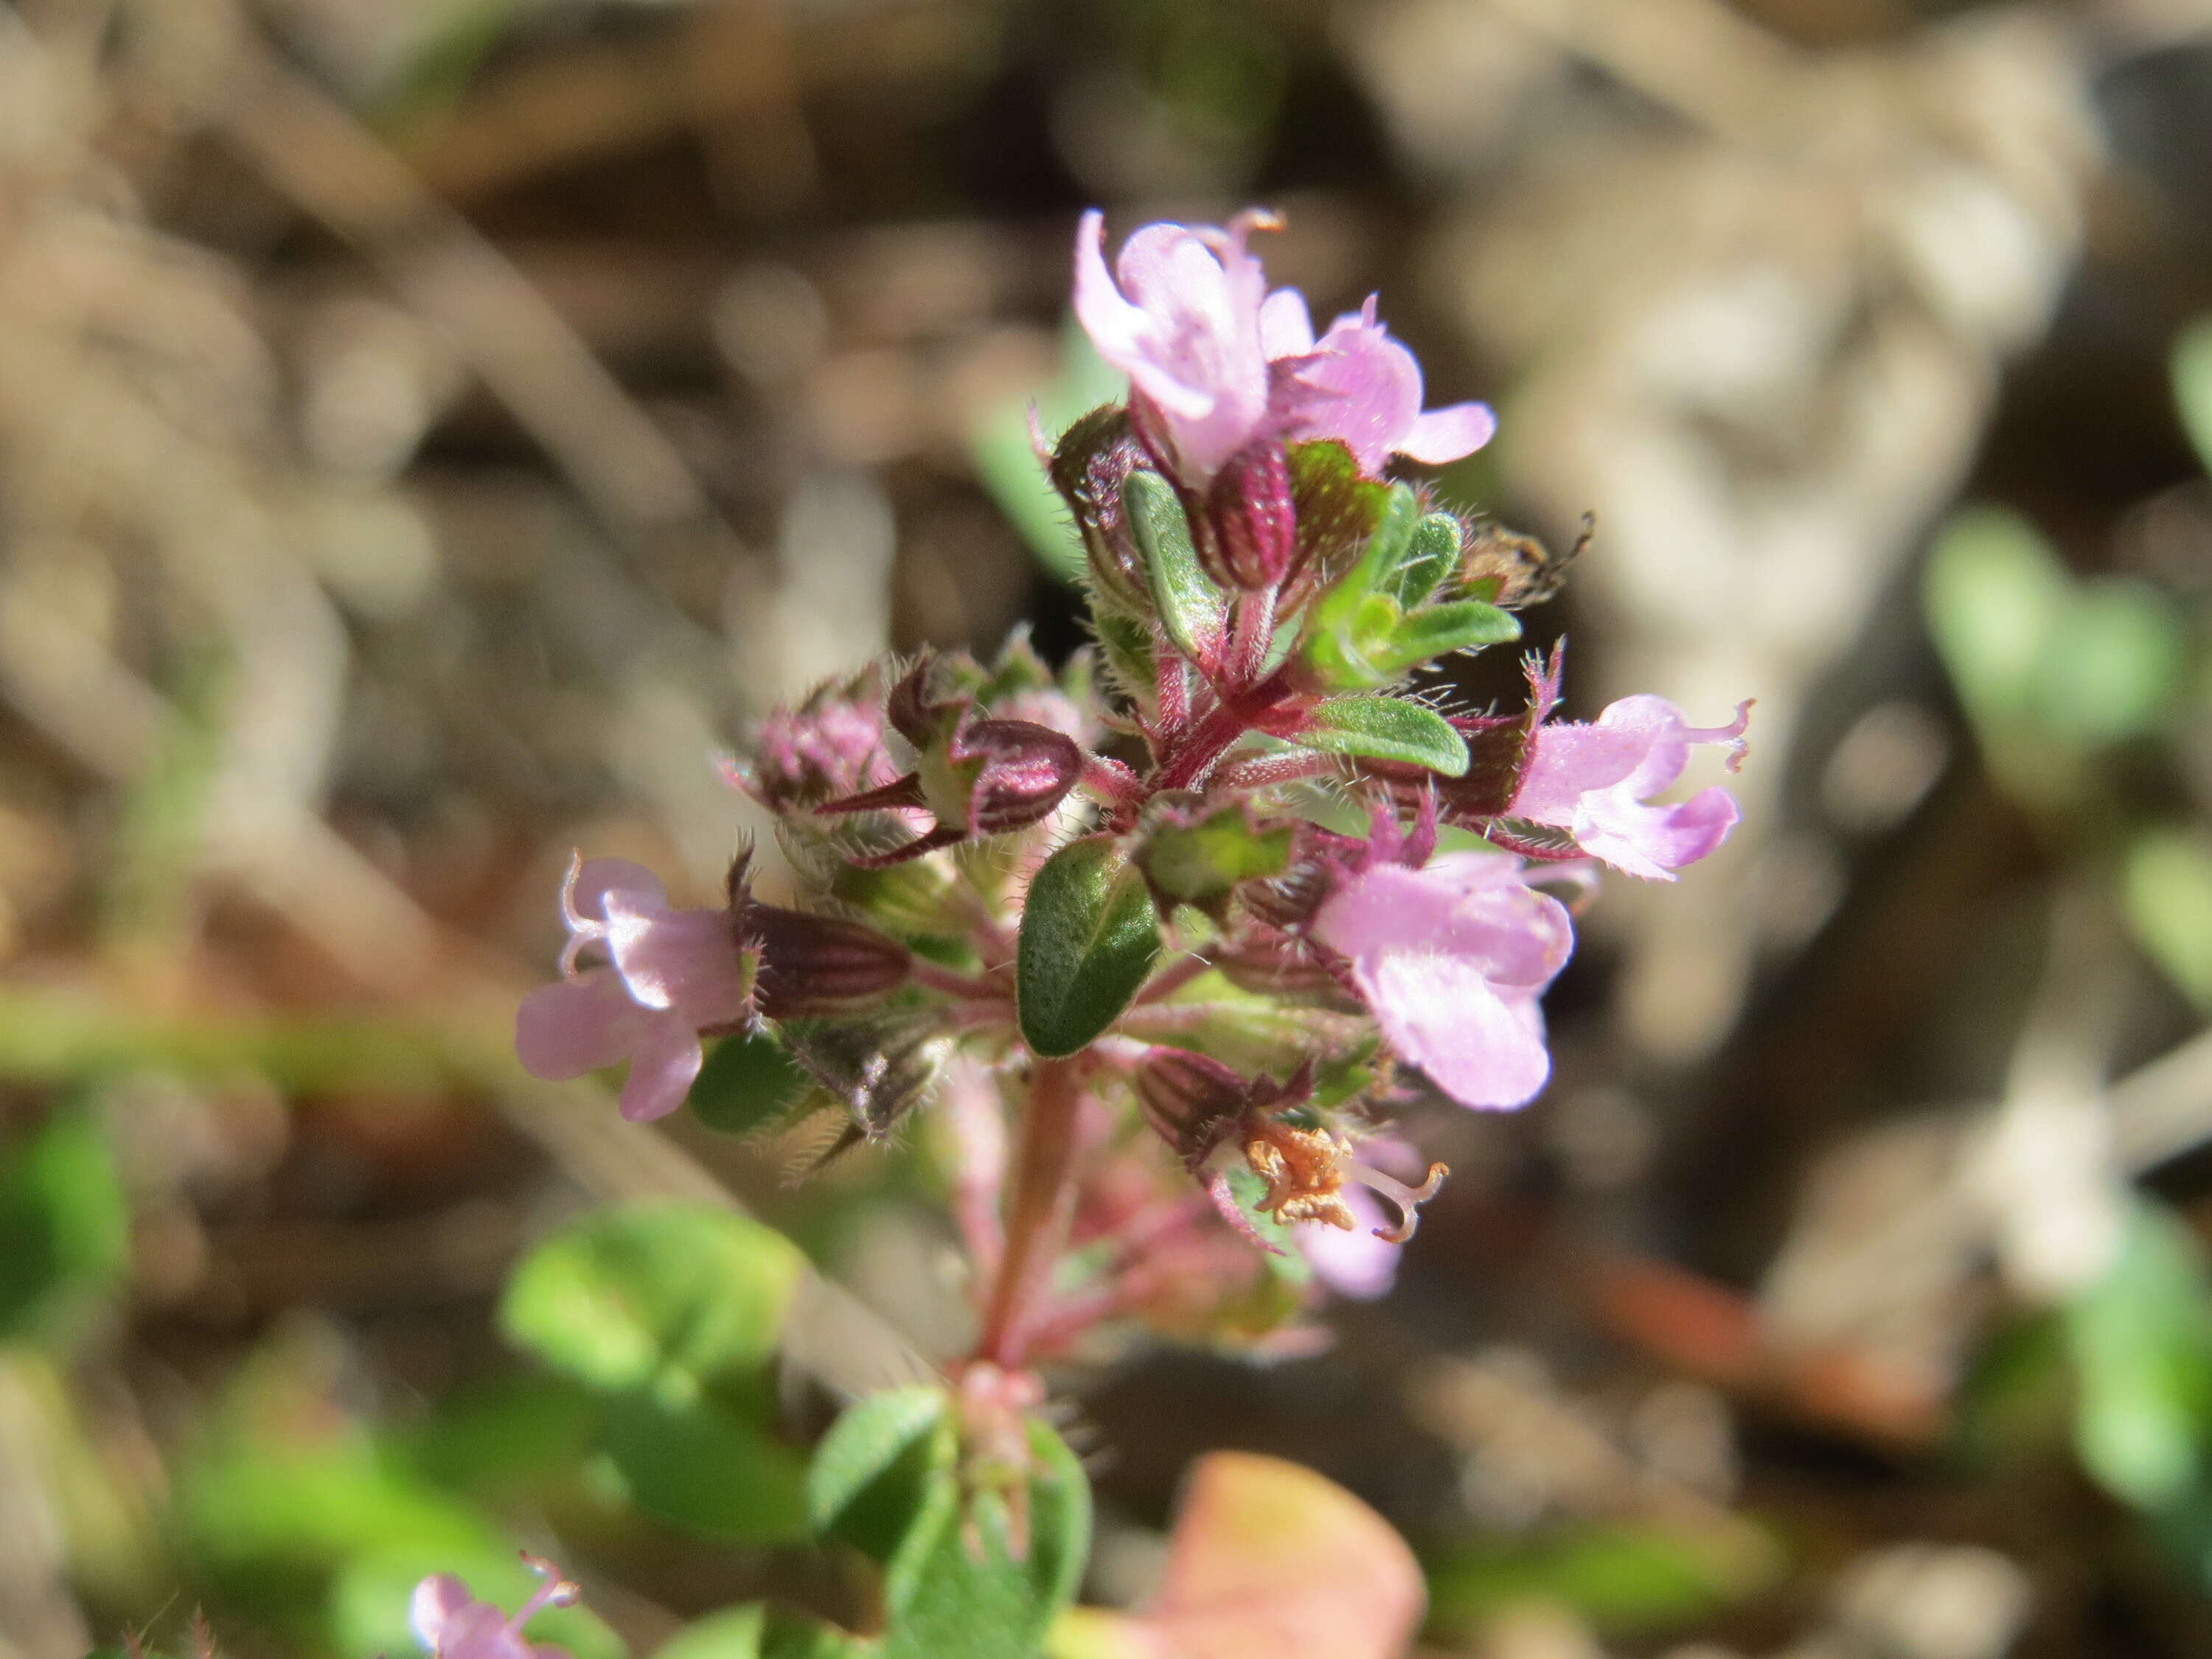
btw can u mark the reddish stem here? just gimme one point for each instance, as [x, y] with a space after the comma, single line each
[963, 987]
[1036, 1221]
[1171, 979]
[1265, 771]
[1251, 631]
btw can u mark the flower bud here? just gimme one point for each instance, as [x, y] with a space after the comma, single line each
[1094, 457]
[921, 706]
[1255, 540]
[814, 964]
[1191, 1101]
[830, 745]
[1020, 772]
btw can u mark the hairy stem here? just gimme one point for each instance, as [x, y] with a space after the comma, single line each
[950, 982]
[1251, 631]
[1038, 1215]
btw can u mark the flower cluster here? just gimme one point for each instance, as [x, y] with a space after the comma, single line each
[1118, 902]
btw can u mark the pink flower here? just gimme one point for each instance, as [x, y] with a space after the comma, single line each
[454, 1625]
[1218, 361]
[1595, 779]
[1358, 385]
[1362, 1263]
[1183, 324]
[1452, 957]
[827, 746]
[670, 975]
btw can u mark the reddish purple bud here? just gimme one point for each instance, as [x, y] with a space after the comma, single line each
[1093, 459]
[1255, 525]
[1027, 770]
[1191, 1101]
[812, 965]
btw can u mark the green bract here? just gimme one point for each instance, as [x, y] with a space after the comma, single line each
[1189, 605]
[1387, 729]
[1089, 936]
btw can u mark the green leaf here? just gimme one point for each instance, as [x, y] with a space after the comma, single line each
[2168, 889]
[1337, 508]
[65, 1226]
[759, 1632]
[963, 1586]
[1994, 595]
[733, 1634]
[1386, 728]
[1201, 862]
[2141, 1341]
[267, 1526]
[1089, 936]
[2117, 659]
[510, 1434]
[1355, 620]
[853, 1465]
[1440, 629]
[1189, 605]
[1624, 1577]
[704, 1467]
[1431, 554]
[669, 1296]
[2192, 387]
[746, 1082]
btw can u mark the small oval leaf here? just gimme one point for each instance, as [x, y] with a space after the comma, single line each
[1089, 936]
[1386, 728]
[981, 1578]
[1431, 554]
[1189, 605]
[665, 1295]
[864, 1444]
[747, 1081]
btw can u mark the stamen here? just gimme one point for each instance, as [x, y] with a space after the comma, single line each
[1408, 1199]
[554, 1592]
[583, 930]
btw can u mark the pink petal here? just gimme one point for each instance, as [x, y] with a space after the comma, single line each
[574, 1026]
[1359, 386]
[1668, 740]
[434, 1605]
[1356, 1264]
[681, 959]
[1286, 325]
[1567, 760]
[1653, 842]
[1115, 326]
[595, 878]
[1472, 906]
[667, 1059]
[1446, 435]
[1441, 1013]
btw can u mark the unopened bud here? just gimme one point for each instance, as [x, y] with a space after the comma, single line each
[1190, 1100]
[1254, 542]
[812, 965]
[1025, 771]
[830, 745]
[1093, 459]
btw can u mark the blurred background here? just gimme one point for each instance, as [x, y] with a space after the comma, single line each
[431, 429]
